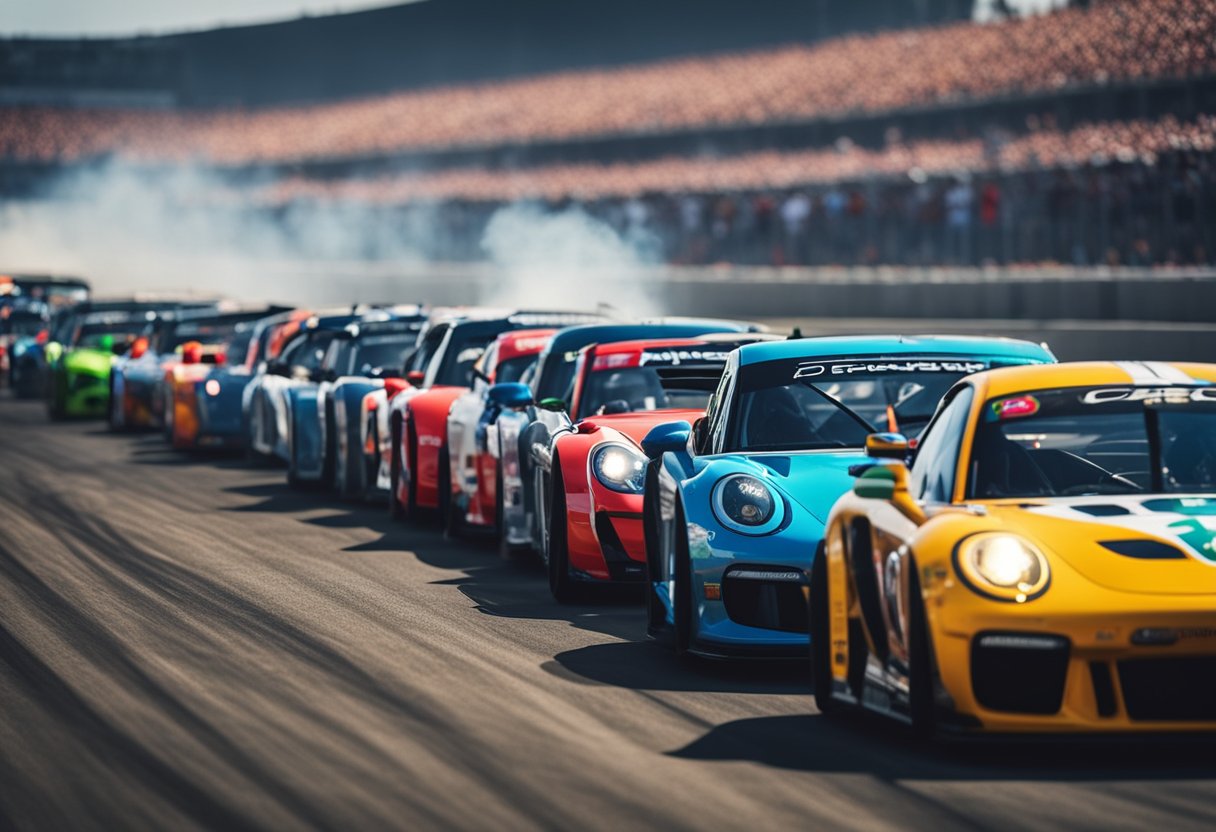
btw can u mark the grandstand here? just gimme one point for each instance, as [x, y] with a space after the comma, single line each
[1084, 136]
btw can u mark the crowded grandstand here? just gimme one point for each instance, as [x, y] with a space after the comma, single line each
[1085, 136]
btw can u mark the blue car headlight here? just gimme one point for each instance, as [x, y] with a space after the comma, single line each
[745, 504]
[619, 468]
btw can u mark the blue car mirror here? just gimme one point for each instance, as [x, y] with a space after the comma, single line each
[511, 395]
[666, 438]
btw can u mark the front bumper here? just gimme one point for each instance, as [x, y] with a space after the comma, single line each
[751, 603]
[1150, 667]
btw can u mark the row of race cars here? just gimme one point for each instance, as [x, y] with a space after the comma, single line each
[965, 534]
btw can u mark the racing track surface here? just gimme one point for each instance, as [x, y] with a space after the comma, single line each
[184, 642]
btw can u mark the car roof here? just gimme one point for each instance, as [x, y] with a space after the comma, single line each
[724, 341]
[891, 345]
[1007, 381]
[577, 337]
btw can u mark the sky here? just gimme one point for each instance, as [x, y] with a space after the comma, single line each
[129, 17]
[66, 18]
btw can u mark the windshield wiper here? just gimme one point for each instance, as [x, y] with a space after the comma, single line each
[856, 417]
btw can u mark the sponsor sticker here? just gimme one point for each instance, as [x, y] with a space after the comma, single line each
[844, 369]
[1170, 395]
[678, 357]
[1018, 407]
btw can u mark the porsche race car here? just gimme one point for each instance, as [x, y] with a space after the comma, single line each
[1047, 563]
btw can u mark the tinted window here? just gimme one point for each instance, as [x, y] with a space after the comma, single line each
[513, 369]
[792, 405]
[933, 473]
[1096, 440]
[380, 352]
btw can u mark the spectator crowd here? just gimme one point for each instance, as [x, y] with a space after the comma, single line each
[1112, 41]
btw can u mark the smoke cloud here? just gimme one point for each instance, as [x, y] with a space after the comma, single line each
[198, 231]
[568, 260]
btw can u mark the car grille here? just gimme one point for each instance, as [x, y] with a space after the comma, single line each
[772, 599]
[1019, 672]
[1169, 689]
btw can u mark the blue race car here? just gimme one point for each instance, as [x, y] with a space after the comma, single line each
[327, 416]
[735, 504]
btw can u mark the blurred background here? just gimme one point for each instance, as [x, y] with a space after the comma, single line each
[1030, 163]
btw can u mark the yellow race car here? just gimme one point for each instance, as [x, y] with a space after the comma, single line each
[1047, 562]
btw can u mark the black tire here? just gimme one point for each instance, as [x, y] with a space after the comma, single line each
[921, 673]
[395, 509]
[411, 503]
[821, 642]
[682, 592]
[449, 508]
[350, 478]
[328, 465]
[656, 613]
[293, 480]
[560, 584]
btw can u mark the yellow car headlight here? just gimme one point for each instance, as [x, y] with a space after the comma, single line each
[1003, 567]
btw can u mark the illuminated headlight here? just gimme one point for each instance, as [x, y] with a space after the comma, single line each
[1003, 566]
[745, 504]
[212, 387]
[620, 468]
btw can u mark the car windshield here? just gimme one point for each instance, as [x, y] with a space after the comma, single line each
[461, 354]
[1096, 440]
[104, 336]
[820, 404]
[513, 369]
[22, 323]
[381, 352]
[632, 389]
[237, 346]
[204, 333]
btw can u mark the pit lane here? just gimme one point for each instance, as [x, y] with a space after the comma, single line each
[185, 642]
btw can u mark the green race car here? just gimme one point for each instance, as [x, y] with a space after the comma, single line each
[79, 367]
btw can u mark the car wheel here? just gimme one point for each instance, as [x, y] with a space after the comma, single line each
[394, 472]
[350, 465]
[656, 613]
[411, 491]
[559, 554]
[920, 659]
[293, 479]
[682, 600]
[331, 445]
[449, 506]
[821, 642]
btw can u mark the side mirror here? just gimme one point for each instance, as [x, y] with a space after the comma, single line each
[887, 446]
[552, 403]
[415, 378]
[394, 385]
[139, 347]
[615, 406]
[889, 482]
[510, 395]
[671, 437]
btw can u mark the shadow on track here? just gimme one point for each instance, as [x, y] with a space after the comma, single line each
[643, 665]
[861, 744]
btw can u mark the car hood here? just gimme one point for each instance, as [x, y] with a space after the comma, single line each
[93, 362]
[814, 480]
[635, 426]
[1157, 544]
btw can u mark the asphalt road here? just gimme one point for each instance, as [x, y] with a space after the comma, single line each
[184, 643]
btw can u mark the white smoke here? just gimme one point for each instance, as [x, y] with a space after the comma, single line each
[569, 260]
[193, 230]
[188, 229]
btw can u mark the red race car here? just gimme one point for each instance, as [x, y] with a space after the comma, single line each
[597, 467]
[418, 415]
